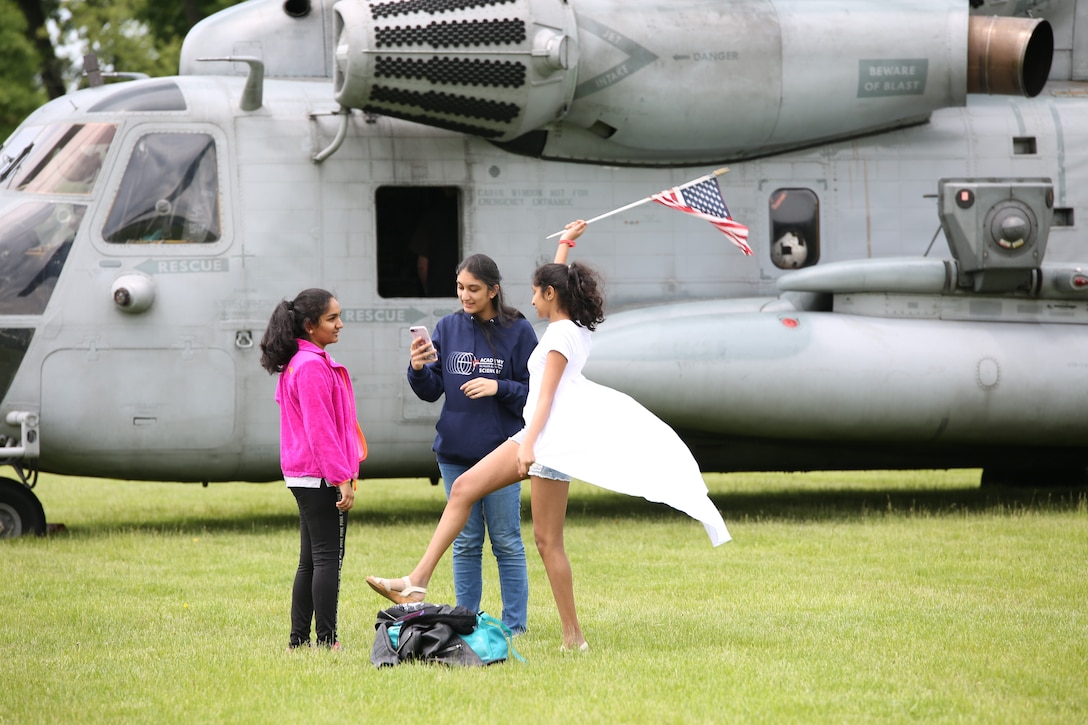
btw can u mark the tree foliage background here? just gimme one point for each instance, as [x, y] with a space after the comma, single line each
[43, 43]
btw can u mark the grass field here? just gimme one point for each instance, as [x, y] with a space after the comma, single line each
[844, 598]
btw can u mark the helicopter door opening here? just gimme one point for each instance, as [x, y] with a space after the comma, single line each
[419, 240]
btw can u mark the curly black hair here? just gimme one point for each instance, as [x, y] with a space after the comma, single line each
[579, 288]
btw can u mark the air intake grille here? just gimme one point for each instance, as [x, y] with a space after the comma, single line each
[491, 68]
[454, 105]
[455, 34]
[453, 71]
[391, 10]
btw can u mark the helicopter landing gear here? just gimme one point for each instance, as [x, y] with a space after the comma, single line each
[21, 512]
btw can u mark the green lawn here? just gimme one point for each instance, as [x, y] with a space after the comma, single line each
[844, 598]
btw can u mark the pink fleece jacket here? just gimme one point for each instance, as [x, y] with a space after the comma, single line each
[319, 432]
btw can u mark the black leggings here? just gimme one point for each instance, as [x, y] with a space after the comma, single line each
[323, 530]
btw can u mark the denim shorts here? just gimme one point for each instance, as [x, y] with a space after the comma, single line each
[550, 473]
[537, 469]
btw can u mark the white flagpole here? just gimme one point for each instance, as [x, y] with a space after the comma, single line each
[632, 205]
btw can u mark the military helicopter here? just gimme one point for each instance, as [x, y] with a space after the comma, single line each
[148, 227]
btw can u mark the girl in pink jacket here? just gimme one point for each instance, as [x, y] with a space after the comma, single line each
[321, 446]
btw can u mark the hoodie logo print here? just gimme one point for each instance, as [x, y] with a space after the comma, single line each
[465, 363]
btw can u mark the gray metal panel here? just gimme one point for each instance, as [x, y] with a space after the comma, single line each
[113, 400]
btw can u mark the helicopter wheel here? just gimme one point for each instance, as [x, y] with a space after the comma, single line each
[20, 511]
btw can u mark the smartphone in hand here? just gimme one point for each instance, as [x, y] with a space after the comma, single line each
[419, 332]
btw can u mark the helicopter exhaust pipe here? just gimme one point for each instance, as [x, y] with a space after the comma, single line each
[1008, 56]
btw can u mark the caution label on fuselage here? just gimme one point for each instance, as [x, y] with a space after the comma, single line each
[893, 77]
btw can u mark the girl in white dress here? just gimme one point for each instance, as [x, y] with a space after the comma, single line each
[574, 428]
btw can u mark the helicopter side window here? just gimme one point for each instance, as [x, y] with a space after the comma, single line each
[419, 240]
[63, 159]
[35, 240]
[169, 193]
[795, 228]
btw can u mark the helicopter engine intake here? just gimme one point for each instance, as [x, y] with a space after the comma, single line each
[471, 67]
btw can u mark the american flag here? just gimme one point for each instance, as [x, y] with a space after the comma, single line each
[704, 200]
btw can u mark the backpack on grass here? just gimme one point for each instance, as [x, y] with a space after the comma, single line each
[440, 633]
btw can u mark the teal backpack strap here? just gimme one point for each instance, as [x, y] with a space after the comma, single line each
[483, 618]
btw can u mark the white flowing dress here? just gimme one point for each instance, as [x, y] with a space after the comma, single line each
[606, 438]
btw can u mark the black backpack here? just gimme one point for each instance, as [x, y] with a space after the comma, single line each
[439, 633]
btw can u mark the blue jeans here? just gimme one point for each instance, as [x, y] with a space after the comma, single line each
[501, 512]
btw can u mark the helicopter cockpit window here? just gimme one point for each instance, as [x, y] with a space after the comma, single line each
[35, 239]
[61, 159]
[795, 228]
[169, 193]
[419, 240]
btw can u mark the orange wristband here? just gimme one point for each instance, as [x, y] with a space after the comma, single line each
[568, 242]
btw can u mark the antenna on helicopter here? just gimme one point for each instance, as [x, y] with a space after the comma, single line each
[90, 70]
[253, 95]
[95, 76]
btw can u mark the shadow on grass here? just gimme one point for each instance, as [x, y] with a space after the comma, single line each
[785, 505]
[845, 505]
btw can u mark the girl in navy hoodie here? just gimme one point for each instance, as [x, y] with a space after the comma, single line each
[477, 359]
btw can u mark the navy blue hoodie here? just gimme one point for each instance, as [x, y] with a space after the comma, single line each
[468, 429]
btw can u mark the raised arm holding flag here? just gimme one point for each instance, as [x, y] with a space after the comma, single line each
[701, 198]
